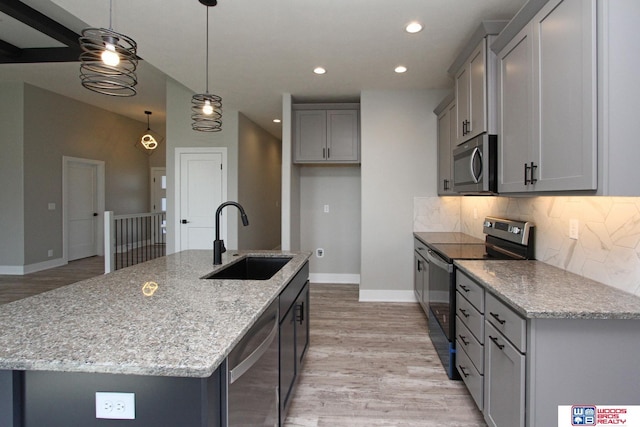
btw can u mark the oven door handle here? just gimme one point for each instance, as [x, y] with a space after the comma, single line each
[432, 257]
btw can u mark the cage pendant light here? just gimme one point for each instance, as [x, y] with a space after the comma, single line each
[206, 108]
[108, 61]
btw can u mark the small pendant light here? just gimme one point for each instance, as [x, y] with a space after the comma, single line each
[149, 140]
[206, 108]
[108, 61]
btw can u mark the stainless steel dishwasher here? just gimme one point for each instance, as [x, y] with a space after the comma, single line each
[252, 375]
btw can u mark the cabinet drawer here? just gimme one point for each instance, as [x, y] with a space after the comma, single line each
[470, 290]
[466, 341]
[471, 377]
[470, 317]
[507, 321]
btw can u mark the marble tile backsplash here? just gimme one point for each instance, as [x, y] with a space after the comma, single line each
[607, 248]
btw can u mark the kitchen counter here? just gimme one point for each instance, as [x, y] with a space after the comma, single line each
[538, 290]
[429, 237]
[115, 324]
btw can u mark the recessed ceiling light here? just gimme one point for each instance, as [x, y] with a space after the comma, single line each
[277, 120]
[413, 27]
[401, 69]
[319, 70]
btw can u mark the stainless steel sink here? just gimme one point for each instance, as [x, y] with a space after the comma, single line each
[251, 268]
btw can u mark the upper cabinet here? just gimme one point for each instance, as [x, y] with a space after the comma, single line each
[474, 74]
[446, 113]
[547, 103]
[326, 135]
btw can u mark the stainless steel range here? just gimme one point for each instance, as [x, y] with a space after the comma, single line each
[505, 239]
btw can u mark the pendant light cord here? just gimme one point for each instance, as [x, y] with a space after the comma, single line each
[110, 13]
[207, 53]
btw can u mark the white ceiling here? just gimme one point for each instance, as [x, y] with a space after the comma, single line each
[260, 49]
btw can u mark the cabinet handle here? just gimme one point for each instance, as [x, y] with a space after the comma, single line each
[300, 312]
[495, 341]
[463, 340]
[497, 317]
[464, 312]
[446, 184]
[464, 288]
[419, 265]
[328, 153]
[533, 168]
[462, 371]
[526, 175]
[464, 127]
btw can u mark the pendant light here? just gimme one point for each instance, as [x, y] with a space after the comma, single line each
[206, 108]
[149, 140]
[108, 61]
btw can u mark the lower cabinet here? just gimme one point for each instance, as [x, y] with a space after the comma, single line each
[294, 336]
[421, 275]
[504, 381]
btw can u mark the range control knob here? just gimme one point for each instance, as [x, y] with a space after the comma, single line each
[488, 224]
[515, 230]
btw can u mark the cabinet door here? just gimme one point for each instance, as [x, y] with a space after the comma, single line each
[417, 277]
[565, 145]
[343, 136]
[462, 104]
[504, 381]
[477, 91]
[445, 148]
[287, 361]
[310, 135]
[302, 325]
[515, 115]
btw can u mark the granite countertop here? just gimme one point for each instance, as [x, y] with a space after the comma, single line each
[107, 324]
[538, 290]
[433, 237]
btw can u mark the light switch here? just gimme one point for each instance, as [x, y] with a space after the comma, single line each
[51, 206]
[326, 208]
[573, 229]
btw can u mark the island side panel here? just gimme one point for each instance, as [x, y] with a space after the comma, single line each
[581, 361]
[10, 395]
[62, 399]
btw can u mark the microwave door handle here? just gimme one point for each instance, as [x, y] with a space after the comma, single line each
[476, 176]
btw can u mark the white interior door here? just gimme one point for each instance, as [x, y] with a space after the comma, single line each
[201, 191]
[82, 210]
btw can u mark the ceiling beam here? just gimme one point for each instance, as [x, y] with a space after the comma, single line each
[39, 21]
[9, 50]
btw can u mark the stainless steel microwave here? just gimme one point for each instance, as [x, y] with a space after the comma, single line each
[474, 166]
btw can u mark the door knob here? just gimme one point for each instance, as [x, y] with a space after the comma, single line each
[95, 214]
[184, 221]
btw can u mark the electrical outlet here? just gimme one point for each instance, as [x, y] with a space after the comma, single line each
[326, 208]
[574, 226]
[115, 406]
[319, 252]
[50, 253]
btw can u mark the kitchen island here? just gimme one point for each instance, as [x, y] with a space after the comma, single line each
[155, 321]
[534, 340]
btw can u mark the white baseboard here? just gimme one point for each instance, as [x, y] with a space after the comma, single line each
[367, 295]
[21, 270]
[334, 278]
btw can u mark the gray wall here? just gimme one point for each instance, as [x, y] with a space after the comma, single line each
[180, 134]
[338, 231]
[399, 154]
[259, 185]
[11, 175]
[46, 128]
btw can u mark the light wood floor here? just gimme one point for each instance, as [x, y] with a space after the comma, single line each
[372, 364]
[368, 364]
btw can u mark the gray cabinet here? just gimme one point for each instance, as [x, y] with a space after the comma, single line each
[446, 112]
[547, 111]
[474, 74]
[421, 275]
[471, 95]
[294, 336]
[504, 385]
[326, 135]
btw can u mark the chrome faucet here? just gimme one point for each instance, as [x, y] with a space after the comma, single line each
[218, 244]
